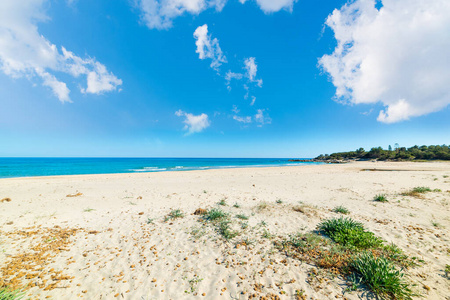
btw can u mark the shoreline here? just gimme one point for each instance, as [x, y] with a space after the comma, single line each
[317, 163]
[122, 242]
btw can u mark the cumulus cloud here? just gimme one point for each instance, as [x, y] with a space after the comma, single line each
[193, 123]
[251, 69]
[270, 6]
[208, 48]
[24, 52]
[397, 55]
[159, 14]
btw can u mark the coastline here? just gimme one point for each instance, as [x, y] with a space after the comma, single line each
[113, 210]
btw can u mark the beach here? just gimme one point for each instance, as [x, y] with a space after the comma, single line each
[135, 236]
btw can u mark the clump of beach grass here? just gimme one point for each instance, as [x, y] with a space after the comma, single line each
[215, 214]
[350, 233]
[447, 271]
[242, 217]
[279, 201]
[381, 276]
[7, 294]
[88, 209]
[236, 205]
[380, 198]
[341, 210]
[174, 214]
[224, 229]
[222, 202]
[417, 192]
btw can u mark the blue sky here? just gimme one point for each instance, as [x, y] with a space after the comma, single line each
[134, 81]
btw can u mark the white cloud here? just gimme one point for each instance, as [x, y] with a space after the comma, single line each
[193, 123]
[251, 69]
[230, 76]
[398, 55]
[270, 6]
[244, 120]
[24, 52]
[253, 101]
[160, 13]
[208, 48]
[262, 117]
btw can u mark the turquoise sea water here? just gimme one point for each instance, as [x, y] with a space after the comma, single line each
[21, 167]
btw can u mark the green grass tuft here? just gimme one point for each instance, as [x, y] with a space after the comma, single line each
[421, 189]
[380, 198]
[279, 201]
[222, 202]
[242, 217]
[7, 294]
[350, 233]
[236, 205]
[174, 214]
[341, 210]
[381, 276]
[215, 214]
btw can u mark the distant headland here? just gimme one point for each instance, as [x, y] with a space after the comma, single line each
[415, 153]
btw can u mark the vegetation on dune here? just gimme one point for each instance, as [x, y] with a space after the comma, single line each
[7, 294]
[381, 276]
[433, 152]
[354, 252]
[341, 210]
[380, 198]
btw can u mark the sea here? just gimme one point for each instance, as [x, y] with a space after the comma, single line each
[25, 167]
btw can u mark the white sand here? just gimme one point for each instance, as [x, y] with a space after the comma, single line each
[183, 259]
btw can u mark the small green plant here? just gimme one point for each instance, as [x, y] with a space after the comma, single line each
[341, 210]
[447, 271]
[222, 202]
[88, 209]
[244, 225]
[236, 205]
[437, 190]
[421, 189]
[380, 198]
[7, 294]
[193, 284]
[417, 192]
[174, 214]
[205, 192]
[132, 203]
[262, 224]
[266, 234]
[445, 176]
[225, 230]
[215, 214]
[350, 233]
[149, 220]
[381, 276]
[279, 201]
[242, 217]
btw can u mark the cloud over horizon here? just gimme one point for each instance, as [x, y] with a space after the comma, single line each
[194, 123]
[398, 55]
[24, 52]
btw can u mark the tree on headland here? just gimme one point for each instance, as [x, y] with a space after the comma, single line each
[433, 152]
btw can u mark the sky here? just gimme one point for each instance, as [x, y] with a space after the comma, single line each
[218, 78]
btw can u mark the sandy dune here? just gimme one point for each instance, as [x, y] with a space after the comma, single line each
[110, 239]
